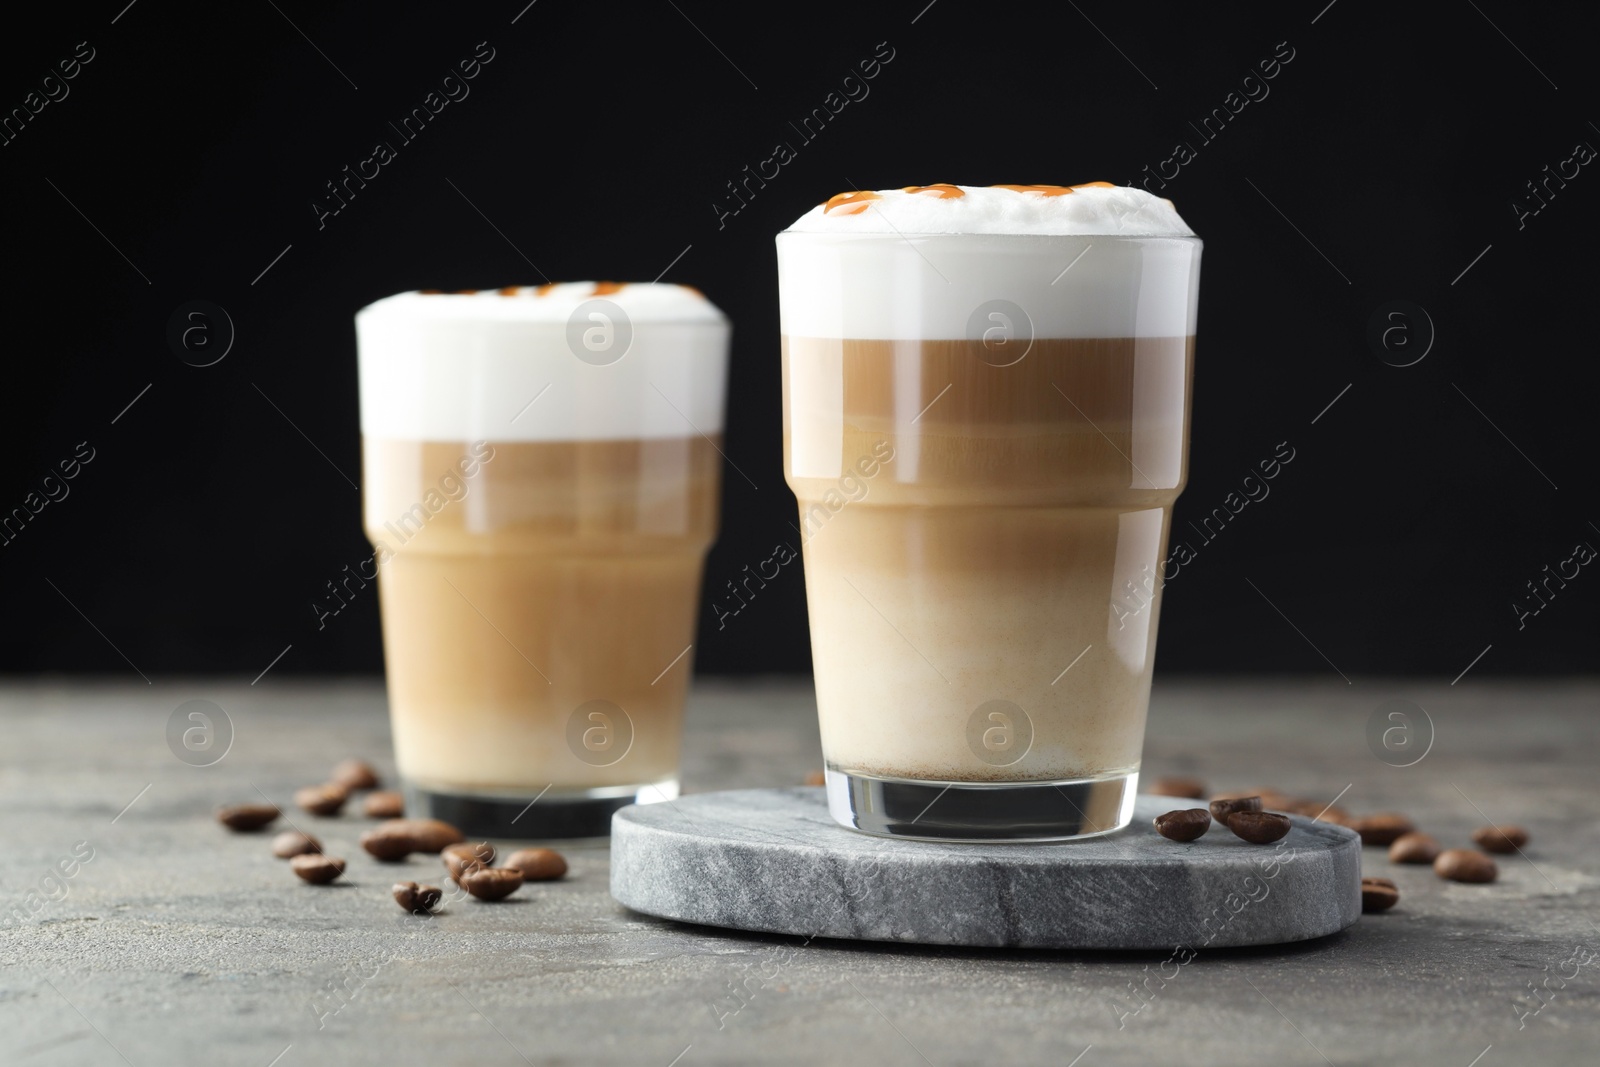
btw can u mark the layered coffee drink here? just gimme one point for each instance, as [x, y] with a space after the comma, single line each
[1003, 374]
[541, 468]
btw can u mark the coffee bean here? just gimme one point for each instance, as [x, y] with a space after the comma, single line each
[354, 774]
[538, 864]
[1188, 788]
[1222, 807]
[417, 899]
[1378, 894]
[458, 859]
[1500, 838]
[317, 868]
[1465, 865]
[388, 843]
[383, 805]
[247, 818]
[432, 835]
[1415, 847]
[1383, 828]
[398, 838]
[1258, 827]
[1184, 824]
[459, 865]
[816, 778]
[322, 799]
[293, 843]
[491, 883]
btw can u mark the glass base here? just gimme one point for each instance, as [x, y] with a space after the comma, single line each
[534, 816]
[981, 811]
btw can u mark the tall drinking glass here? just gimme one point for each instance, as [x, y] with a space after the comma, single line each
[540, 477]
[986, 432]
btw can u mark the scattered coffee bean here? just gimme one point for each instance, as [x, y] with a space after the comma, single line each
[432, 835]
[1383, 828]
[1222, 807]
[491, 883]
[1465, 865]
[1378, 894]
[354, 774]
[1188, 788]
[383, 805]
[1185, 824]
[415, 898]
[458, 859]
[322, 799]
[1415, 847]
[317, 868]
[247, 818]
[293, 843]
[388, 843]
[816, 778]
[1258, 827]
[398, 838]
[538, 864]
[1500, 838]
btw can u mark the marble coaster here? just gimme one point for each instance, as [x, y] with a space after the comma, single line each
[772, 860]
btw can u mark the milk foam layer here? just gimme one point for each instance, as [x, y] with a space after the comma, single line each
[1086, 210]
[1092, 262]
[469, 366]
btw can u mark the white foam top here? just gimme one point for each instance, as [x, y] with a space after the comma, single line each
[958, 262]
[563, 362]
[1097, 209]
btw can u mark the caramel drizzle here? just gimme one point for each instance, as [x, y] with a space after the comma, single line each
[853, 203]
[1053, 190]
[1042, 190]
[857, 201]
[600, 288]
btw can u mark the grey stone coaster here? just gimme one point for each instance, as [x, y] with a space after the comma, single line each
[772, 860]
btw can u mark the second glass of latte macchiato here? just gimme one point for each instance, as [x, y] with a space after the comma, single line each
[540, 471]
[986, 423]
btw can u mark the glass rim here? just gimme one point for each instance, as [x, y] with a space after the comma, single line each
[908, 234]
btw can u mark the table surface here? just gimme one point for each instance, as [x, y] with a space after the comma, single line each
[179, 942]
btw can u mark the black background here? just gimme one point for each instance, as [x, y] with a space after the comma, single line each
[1385, 160]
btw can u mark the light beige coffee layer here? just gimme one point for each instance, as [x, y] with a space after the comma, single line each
[1007, 549]
[559, 574]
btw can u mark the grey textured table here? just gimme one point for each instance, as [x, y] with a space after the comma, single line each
[178, 943]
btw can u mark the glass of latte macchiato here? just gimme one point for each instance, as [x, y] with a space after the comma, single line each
[986, 424]
[540, 472]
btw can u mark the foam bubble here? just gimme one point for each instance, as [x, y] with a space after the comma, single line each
[566, 362]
